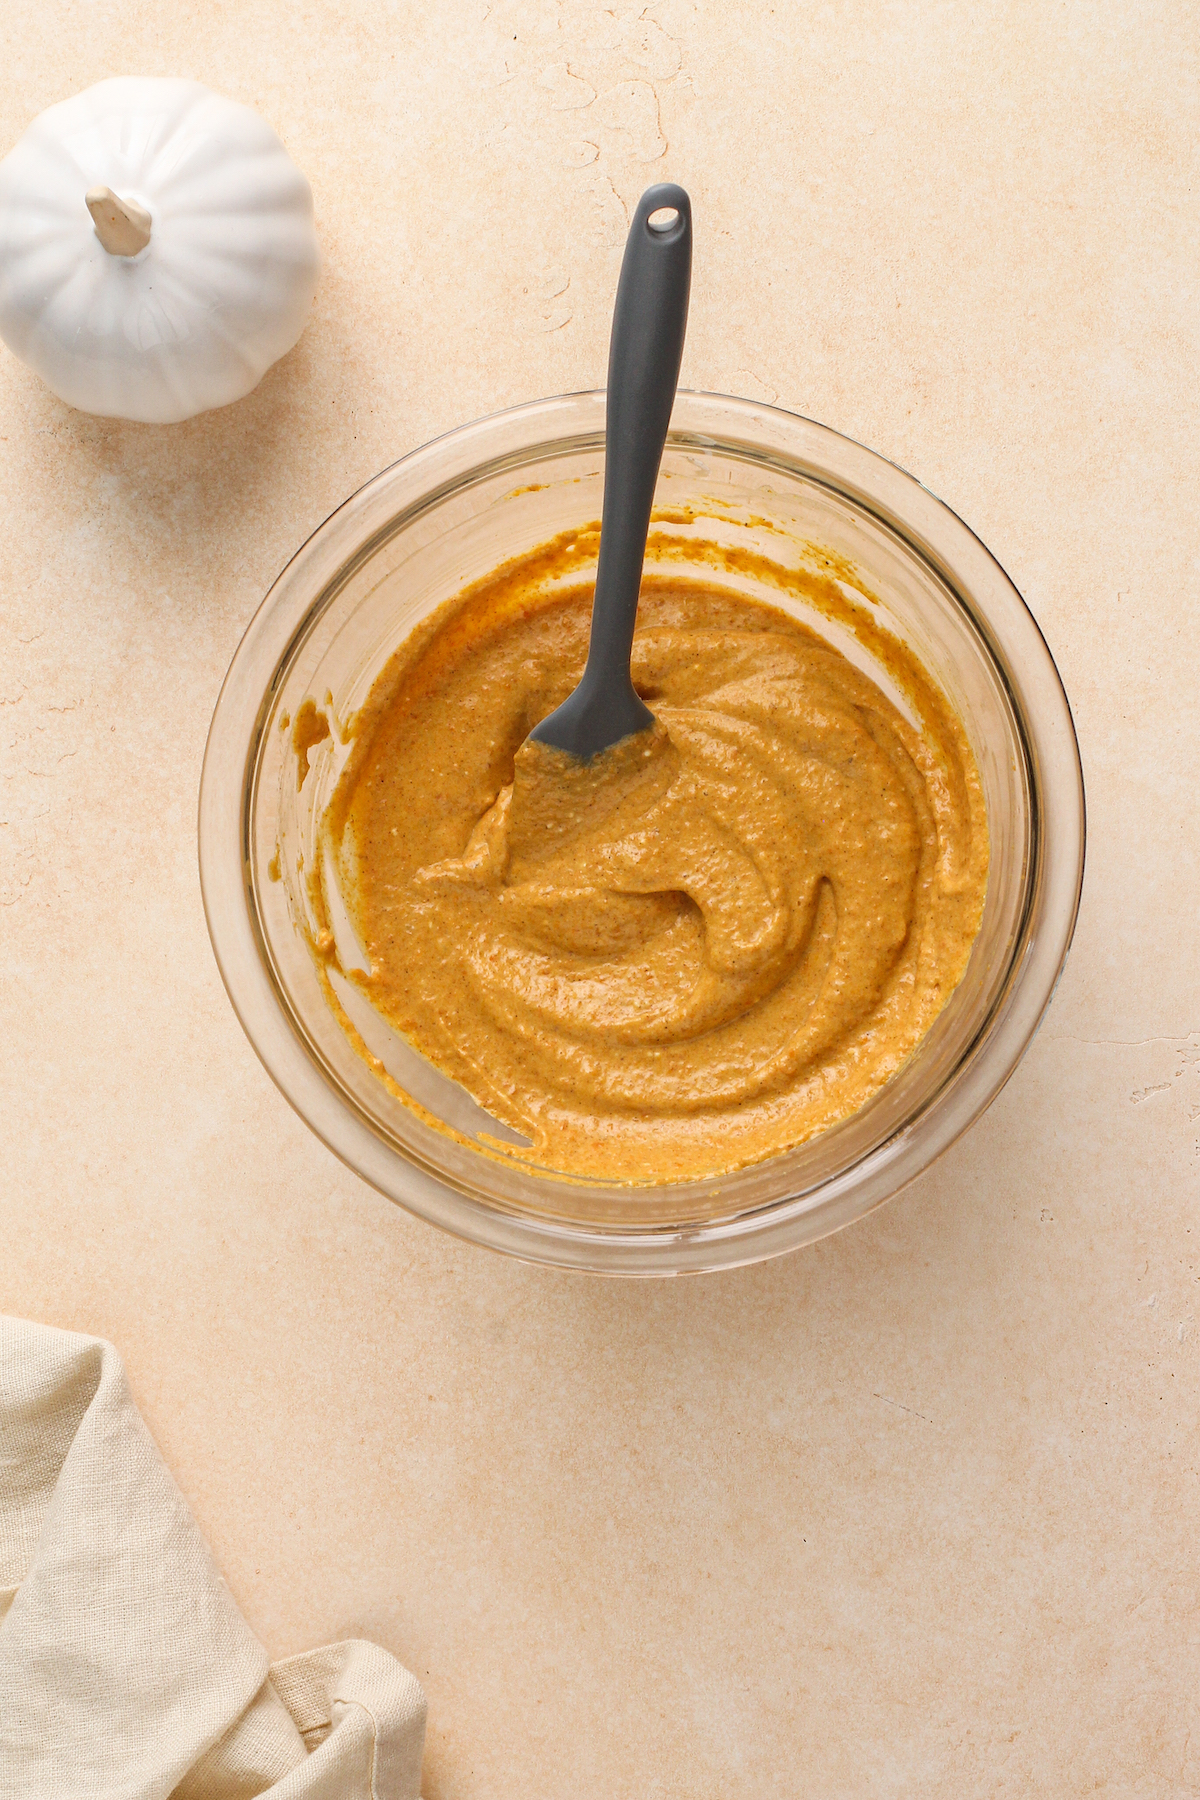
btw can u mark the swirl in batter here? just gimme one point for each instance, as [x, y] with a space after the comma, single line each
[695, 952]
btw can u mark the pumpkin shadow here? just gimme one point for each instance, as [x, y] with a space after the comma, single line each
[187, 491]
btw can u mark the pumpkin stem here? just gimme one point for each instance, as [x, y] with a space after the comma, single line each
[122, 226]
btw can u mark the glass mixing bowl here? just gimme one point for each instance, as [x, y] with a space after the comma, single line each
[764, 481]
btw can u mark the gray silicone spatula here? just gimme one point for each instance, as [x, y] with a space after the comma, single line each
[649, 323]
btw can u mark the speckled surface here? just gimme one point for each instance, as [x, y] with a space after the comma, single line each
[913, 1511]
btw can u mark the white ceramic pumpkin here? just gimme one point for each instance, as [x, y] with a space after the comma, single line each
[157, 250]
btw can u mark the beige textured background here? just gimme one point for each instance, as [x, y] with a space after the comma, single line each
[912, 1512]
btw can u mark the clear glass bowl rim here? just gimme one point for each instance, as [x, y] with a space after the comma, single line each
[516, 438]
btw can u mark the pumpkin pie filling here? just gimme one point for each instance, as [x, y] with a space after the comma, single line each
[700, 949]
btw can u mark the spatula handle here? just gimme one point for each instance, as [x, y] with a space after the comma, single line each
[649, 323]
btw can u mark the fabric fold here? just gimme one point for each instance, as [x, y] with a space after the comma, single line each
[126, 1670]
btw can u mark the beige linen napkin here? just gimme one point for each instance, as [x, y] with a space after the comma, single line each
[126, 1670]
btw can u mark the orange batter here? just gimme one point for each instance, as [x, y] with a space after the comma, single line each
[700, 949]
